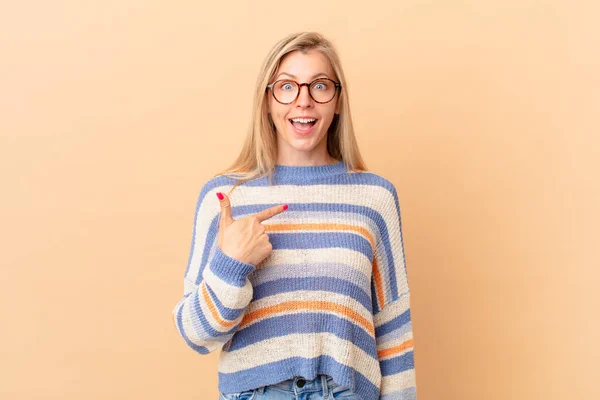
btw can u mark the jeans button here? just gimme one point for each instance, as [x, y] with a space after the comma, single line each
[300, 382]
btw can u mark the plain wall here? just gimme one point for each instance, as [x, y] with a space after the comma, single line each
[483, 114]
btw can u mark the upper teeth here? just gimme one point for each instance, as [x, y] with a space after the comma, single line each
[303, 120]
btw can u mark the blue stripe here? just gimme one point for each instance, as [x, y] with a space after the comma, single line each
[393, 324]
[307, 322]
[398, 364]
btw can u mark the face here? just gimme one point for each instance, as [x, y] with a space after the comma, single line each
[309, 138]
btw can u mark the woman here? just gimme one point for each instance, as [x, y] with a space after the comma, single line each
[297, 271]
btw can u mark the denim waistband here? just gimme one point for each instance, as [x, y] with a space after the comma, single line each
[320, 383]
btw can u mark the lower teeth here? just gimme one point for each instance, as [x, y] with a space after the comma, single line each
[301, 126]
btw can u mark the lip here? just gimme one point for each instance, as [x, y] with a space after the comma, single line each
[306, 132]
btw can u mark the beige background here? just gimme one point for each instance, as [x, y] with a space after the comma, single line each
[483, 114]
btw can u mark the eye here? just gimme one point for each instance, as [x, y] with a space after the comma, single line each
[286, 86]
[321, 85]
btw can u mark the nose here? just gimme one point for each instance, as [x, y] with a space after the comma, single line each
[304, 100]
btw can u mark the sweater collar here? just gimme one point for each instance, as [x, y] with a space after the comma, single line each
[308, 172]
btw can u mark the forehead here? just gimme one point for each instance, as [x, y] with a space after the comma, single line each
[305, 65]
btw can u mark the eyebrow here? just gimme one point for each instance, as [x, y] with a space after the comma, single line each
[295, 77]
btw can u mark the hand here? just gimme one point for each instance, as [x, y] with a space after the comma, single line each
[245, 239]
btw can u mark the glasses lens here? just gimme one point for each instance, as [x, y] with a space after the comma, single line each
[322, 90]
[285, 91]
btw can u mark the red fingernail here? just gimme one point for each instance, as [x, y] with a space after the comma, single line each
[285, 207]
[220, 195]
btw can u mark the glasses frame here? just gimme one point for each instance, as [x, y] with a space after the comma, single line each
[308, 85]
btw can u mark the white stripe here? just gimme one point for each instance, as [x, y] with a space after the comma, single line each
[351, 258]
[392, 310]
[397, 382]
[324, 271]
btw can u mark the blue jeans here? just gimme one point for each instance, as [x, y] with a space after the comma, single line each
[298, 388]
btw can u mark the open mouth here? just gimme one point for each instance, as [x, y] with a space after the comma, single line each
[303, 124]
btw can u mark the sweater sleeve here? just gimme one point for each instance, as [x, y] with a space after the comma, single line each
[391, 306]
[216, 288]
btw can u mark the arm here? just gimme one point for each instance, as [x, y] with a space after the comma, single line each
[216, 288]
[391, 307]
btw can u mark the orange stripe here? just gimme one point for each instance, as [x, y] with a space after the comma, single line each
[321, 227]
[378, 283]
[395, 350]
[339, 227]
[213, 310]
[309, 305]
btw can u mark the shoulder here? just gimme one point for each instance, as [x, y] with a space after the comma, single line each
[220, 182]
[381, 195]
[380, 183]
[208, 190]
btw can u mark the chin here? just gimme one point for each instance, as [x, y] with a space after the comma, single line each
[303, 143]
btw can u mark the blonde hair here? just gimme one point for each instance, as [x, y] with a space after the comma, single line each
[258, 156]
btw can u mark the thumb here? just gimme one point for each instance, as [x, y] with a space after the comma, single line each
[226, 218]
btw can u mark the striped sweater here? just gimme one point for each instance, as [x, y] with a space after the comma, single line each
[331, 298]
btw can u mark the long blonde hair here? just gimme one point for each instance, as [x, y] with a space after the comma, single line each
[258, 156]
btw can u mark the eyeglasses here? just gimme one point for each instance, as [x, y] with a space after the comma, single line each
[321, 90]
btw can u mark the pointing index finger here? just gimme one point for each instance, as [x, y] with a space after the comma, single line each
[270, 212]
